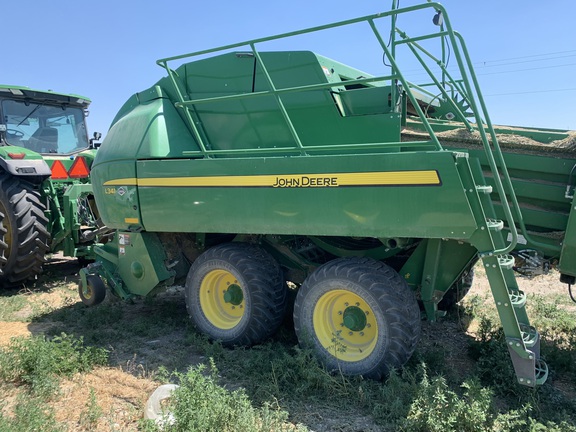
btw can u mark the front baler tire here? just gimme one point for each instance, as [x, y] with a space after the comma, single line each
[358, 316]
[24, 231]
[94, 292]
[236, 294]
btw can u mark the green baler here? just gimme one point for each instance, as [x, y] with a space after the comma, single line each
[243, 170]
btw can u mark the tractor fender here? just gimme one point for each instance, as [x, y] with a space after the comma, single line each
[32, 170]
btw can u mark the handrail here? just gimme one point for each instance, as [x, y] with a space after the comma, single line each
[503, 170]
[466, 68]
[410, 95]
[162, 62]
[413, 48]
[183, 102]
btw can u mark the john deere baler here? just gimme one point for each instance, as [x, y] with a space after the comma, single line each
[243, 170]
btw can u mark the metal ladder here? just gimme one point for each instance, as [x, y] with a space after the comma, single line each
[522, 339]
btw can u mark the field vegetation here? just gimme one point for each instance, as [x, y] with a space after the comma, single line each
[66, 367]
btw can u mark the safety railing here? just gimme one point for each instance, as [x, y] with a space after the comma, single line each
[277, 93]
[466, 86]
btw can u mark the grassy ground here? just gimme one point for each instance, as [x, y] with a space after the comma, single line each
[99, 374]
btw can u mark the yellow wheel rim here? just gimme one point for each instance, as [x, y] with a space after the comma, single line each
[222, 299]
[345, 325]
[87, 291]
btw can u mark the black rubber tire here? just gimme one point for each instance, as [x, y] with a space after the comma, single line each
[396, 316]
[263, 289]
[3, 245]
[26, 238]
[95, 291]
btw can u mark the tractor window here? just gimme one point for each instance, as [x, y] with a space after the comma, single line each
[55, 129]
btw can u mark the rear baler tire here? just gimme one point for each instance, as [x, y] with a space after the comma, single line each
[387, 306]
[95, 291]
[24, 231]
[256, 307]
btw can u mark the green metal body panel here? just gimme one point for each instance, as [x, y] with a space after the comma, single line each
[540, 181]
[133, 260]
[28, 154]
[257, 122]
[567, 263]
[434, 267]
[13, 91]
[261, 195]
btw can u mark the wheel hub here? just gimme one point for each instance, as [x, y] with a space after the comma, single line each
[354, 318]
[345, 325]
[222, 299]
[233, 295]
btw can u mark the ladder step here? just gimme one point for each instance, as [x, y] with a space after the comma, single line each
[506, 261]
[495, 225]
[530, 335]
[541, 372]
[485, 189]
[530, 370]
[517, 298]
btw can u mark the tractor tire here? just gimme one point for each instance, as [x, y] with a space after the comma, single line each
[358, 316]
[236, 294]
[24, 234]
[94, 292]
[3, 245]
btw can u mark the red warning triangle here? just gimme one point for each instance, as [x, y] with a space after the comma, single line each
[79, 168]
[58, 171]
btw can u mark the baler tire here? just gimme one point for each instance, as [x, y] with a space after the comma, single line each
[95, 291]
[371, 296]
[24, 232]
[252, 306]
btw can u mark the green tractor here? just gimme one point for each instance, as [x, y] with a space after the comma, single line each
[248, 171]
[46, 204]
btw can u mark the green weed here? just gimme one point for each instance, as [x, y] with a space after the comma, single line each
[437, 408]
[201, 404]
[10, 305]
[89, 417]
[30, 414]
[39, 362]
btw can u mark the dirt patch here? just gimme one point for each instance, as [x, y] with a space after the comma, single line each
[9, 330]
[117, 395]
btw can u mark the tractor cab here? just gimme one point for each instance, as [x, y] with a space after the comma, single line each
[43, 122]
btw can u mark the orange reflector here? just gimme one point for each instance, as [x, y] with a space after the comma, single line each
[16, 155]
[79, 168]
[58, 171]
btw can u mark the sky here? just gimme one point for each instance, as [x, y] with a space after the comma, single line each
[524, 51]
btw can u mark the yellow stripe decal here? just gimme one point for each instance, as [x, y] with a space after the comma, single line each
[122, 182]
[131, 220]
[389, 178]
